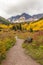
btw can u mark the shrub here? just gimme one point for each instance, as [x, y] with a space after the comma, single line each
[28, 40]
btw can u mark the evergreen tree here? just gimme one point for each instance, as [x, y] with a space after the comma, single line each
[14, 28]
[20, 27]
[31, 30]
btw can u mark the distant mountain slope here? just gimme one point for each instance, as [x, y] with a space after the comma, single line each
[26, 16]
[38, 16]
[13, 18]
[4, 21]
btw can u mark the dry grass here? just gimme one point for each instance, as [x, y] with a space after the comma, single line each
[35, 49]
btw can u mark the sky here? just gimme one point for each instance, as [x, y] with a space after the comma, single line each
[10, 8]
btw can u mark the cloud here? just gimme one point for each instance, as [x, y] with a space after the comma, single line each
[22, 6]
[13, 7]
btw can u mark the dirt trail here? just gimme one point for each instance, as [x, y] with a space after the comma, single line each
[16, 56]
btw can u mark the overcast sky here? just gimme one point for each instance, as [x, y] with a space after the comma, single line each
[10, 8]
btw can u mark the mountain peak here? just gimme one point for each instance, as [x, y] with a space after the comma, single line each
[25, 14]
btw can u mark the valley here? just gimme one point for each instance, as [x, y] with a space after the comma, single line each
[24, 31]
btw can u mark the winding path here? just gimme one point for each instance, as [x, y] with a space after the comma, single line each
[16, 56]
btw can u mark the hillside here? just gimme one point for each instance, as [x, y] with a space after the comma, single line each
[4, 21]
[36, 25]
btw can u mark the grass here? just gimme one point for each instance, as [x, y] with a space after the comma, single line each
[24, 35]
[7, 40]
[35, 49]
